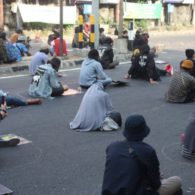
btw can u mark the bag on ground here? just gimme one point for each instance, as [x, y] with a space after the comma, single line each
[11, 52]
[109, 125]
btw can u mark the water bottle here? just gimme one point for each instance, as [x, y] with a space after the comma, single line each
[182, 138]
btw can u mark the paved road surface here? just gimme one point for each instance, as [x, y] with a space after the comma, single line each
[62, 161]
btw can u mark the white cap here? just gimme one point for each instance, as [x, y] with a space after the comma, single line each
[44, 46]
[21, 38]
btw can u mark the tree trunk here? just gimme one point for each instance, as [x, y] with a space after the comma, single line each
[37, 2]
[1, 15]
[120, 30]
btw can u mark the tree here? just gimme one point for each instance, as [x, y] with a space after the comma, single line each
[120, 30]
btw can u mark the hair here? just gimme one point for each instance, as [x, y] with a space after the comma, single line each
[3, 35]
[145, 49]
[101, 30]
[19, 31]
[43, 51]
[57, 34]
[124, 32]
[189, 53]
[108, 40]
[187, 69]
[93, 54]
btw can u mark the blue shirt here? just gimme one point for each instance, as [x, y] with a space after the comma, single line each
[43, 82]
[22, 48]
[39, 59]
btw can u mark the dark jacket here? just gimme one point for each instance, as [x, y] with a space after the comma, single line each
[122, 175]
[143, 66]
[192, 71]
[106, 55]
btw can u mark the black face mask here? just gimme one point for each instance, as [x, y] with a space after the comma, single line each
[47, 51]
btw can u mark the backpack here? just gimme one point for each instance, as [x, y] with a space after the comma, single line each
[2, 49]
[11, 52]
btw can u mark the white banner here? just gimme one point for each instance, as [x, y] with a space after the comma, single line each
[179, 1]
[46, 14]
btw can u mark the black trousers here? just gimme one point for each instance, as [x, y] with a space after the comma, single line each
[116, 116]
[190, 97]
[57, 91]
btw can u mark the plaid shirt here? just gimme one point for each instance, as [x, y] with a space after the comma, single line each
[179, 85]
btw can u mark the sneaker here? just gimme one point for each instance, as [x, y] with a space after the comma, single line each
[167, 67]
[9, 143]
[171, 70]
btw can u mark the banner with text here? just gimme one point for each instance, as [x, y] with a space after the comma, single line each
[46, 14]
[179, 1]
[142, 11]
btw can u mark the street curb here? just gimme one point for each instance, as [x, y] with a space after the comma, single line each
[23, 68]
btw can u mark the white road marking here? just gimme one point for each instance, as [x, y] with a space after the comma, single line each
[15, 76]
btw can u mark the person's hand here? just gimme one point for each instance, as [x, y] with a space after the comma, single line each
[54, 55]
[58, 73]
[161, 175]
[65, 87]
[127, 76]
[4, 106]
[153, 82]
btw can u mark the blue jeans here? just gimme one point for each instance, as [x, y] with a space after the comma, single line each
[12, 101]
[52, 50]
[105, 82]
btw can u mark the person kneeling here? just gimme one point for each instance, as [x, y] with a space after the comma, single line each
[44, 83]
[182, 85]
[143, 66]
[132, 166]
[92, 71]
[106, 54]
[96, 112]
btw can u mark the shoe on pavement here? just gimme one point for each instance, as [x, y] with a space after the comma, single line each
[9, 142]
[170, 70]
[167, 67]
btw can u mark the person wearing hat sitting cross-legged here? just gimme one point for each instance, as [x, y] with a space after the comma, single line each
[21, 48]
[132, 166]
[44, 83]
[182, 85]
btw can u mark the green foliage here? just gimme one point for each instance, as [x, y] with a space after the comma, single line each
[139, 23]
[184, 23]
[69, 29]
[108, 21]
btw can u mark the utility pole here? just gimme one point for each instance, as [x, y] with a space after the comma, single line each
[37, 2]
[193, 15]
[61, 27]
[95, 12]
[1, 16]
[120, 31]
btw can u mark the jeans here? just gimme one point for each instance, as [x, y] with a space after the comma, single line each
[52, 50]
[105, 82]
[57, 91]
[13, 101]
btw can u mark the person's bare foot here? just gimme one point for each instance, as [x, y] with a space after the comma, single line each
[35, 101]
[127, 77]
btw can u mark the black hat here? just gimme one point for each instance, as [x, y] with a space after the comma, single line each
[189, 53]
[135, 128]
[56, 61]
[141, 41]
[145, 48]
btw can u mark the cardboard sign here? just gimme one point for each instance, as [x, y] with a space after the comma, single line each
[71, 92]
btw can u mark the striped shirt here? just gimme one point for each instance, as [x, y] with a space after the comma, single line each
[179, 85]
[186, 154]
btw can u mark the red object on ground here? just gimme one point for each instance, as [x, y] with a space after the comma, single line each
[57, 47]
[182, 138]
[37, 37]
[167, 67]
[87, 27]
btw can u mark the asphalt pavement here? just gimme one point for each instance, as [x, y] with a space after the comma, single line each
[63, 161]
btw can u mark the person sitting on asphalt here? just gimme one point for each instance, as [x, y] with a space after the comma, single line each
[125, 34]
[40, 58]
[190, 54]
[145, 36]
[188, 147]
[143, 66]
[21, 48]
[15, 36]
[107, 55]
[75, 41]
[86, 31]
[95, 107]
[182, 85]
[92, 71]
[6, 141]
[137, 37]
[55, 43]
[13, 101]
[102, 36]
[44, 83]
[132, 166]
[55, 31]
[3, 47]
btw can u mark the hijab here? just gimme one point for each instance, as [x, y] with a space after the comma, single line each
[189, 139]
[95, 107]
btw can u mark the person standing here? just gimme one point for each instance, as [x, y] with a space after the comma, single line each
[107, 55]
[132, 166]
[15, 36]
[40, 58]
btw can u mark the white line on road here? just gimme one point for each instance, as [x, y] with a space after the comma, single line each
[15, 76]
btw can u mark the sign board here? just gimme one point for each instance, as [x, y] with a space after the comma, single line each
[90, 1]
[142, 11]
[179, 1]
[87, 8]
[46, 14]
[170, 9]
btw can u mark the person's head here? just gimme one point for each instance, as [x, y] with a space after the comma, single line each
[135, 128]
[101, 30]
[56, 35]
[187, 65]
[141, 41]
[44, 48]
[76, 30]
[146, 34]
[190, 53]
[55, 62]
[145, 49]
[108, 41]
[19, 31]
[21, 39]
[125, 33]
[93, 54]
[3, 36]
